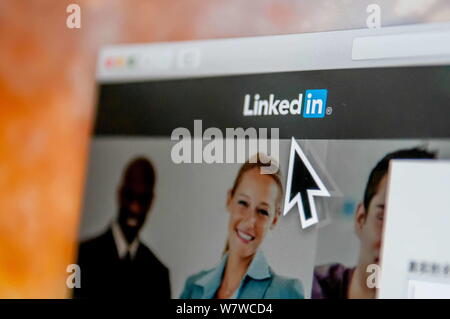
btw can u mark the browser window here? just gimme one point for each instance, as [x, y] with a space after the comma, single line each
[258, 167]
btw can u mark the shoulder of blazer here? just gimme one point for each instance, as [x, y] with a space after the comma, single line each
[97, 245]
[105, 237]
[285, 288]
[190, 283]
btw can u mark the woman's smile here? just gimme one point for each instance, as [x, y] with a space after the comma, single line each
[244, 236]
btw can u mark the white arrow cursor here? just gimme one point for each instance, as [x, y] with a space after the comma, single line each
[303, 184]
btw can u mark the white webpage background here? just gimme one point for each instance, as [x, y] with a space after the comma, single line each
[416, 224]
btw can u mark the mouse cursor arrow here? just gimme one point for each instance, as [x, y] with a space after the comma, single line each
[303, 184]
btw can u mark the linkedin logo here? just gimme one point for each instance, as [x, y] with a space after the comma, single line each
[313, 105]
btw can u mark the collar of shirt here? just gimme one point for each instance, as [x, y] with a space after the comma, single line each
[258, 270]
[122, 245]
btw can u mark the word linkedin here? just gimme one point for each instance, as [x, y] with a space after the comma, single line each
[315, 102]
[191, 148]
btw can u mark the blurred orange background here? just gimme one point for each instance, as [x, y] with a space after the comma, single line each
[47, 99]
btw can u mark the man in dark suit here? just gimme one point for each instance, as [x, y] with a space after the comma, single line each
[117, 263]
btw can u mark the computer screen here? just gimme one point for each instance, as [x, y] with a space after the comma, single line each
[269, 159]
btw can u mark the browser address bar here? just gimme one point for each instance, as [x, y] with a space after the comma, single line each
[421, 44]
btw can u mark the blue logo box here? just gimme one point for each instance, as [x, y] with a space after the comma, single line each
[315, 103]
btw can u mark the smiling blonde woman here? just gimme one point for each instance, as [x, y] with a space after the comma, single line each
[254, 205]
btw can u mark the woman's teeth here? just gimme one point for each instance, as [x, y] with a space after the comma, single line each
[245, 236]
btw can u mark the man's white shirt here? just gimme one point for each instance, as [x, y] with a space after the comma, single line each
[122, 245]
